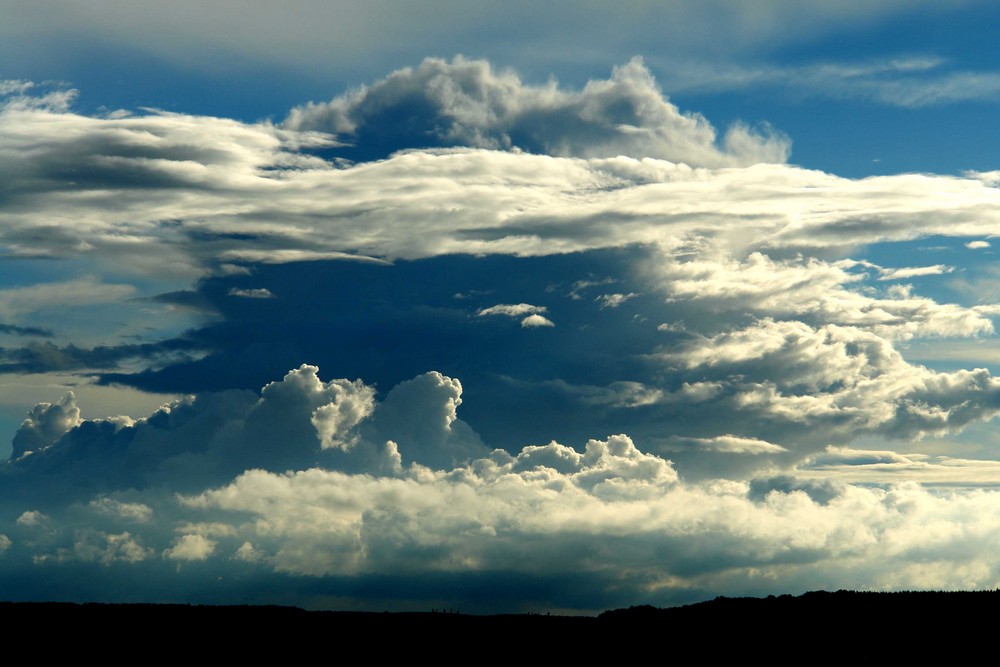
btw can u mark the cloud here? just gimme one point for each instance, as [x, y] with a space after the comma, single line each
[72, 293]
[512, 309]
[977, 245]
[136, 512]
[295, 423]
[728, 340]
[913, 272]
[45, 424]
[14, 330]
[46, 356]
[614, 300]
[620, 517]
[736, 445]
[252, 293]
[465, 103]
[812, 289]
[205, 40]
[838, 376]
[906, 81]
[132, 190]
[533, 318]
[190, 548]
[532, 321]
[92, 546]
[420, 417]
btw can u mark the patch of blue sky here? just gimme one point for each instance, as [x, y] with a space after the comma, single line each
[970, 277]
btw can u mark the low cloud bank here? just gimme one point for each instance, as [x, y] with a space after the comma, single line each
[321, 481]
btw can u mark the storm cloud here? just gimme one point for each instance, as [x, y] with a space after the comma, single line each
[451, 331]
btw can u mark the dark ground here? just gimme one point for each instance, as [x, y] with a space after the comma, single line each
[810, 628]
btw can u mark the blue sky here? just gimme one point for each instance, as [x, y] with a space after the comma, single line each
[403, 306]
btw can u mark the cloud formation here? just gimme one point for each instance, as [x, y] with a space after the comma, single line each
[465, 103]
[908, 81]
[705, 336]
[622, 520]
[133, 188]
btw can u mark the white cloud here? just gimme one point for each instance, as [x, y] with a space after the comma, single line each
[32, 519]
[513, 309]
[254, 293]
[532, 321]
[913, 272]
[737, 445]
[136, 512]
[812, 288]
[527, 514]
[465, 103]
[615, 300]
[45, 424]
[532, 511]
[190, 548]
[248, 553]
[977, 245]
[245, 194]
[841, 377]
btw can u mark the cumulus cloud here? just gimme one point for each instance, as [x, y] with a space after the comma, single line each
[106, 549]
[841, 377]
[190, 548]
[619, 516]
[45, 424]
[818, 291]
[295, 423]
[977, 245]
[466, 103]
[532, 321]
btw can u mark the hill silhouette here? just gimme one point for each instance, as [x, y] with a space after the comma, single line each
[860, 626]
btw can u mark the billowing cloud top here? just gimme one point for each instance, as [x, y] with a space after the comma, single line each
[465, 103]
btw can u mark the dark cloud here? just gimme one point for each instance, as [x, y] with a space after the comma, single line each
[46, 356]
[659, 366]
[14, 330]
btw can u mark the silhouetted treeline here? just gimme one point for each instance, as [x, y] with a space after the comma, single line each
[814, 626]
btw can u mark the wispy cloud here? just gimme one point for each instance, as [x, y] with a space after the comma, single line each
[908, 81]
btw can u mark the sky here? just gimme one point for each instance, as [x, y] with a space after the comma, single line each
[495, 306]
